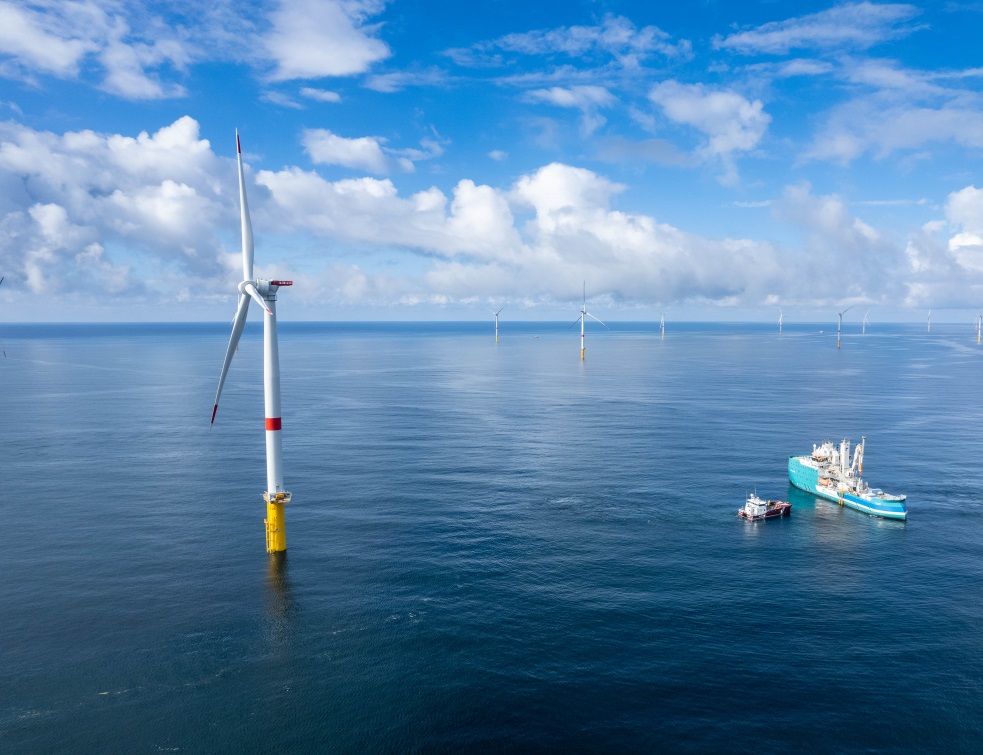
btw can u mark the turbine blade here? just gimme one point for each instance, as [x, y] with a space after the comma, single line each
[594, 318]
[237, 325]
[247, 228]
[250, 289]
[574, 323]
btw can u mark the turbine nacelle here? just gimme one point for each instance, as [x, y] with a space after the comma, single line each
[262, 291]
[265, 288]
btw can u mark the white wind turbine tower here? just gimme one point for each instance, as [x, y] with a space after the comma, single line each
[929, 321]
[583, 315]
[866, 323]
[263, 292]
[781, 315]
[839, 324]
[496, 321]
[979, 329]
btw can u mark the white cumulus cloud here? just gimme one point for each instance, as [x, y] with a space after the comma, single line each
[363, 153]
[37, 40]
[366, 152]
[587, 98]
[58, 38]
[730, 122]
[321, 95]
[313, 39]
[82, 194]
[153, 217]
[964, 211]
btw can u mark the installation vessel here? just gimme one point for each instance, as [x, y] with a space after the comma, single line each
[829, 473]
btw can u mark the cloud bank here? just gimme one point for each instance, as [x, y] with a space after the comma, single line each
[70, 201]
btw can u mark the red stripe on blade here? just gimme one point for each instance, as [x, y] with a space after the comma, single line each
[272, 423]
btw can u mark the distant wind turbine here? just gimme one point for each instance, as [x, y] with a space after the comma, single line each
[263, 292]
[929, 321]
[839, 324]
[866, 322]
[781, 315]
[496, 321]
[662, 325]
[2, 347]
[584, 314]
[979, 327]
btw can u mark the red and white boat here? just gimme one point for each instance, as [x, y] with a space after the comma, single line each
[757, 508]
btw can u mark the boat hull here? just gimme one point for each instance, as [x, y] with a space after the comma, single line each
[806, 477]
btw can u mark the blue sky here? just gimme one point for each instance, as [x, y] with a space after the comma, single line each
[430, 160]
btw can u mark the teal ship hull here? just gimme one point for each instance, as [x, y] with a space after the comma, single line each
[805, 476]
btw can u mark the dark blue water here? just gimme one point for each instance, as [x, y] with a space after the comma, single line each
[491, 547]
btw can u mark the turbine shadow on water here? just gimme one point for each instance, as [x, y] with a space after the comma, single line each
[279, 603]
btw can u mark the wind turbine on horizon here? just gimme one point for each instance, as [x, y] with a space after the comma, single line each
[662, 325]
[583, 315]
[496, 321]
[866, 322]
[839, 324]
[781, 315]
[263, 292]
[979, 328]
[929, 321]
[2, 347]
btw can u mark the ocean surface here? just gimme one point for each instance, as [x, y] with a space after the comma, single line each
[491, 547]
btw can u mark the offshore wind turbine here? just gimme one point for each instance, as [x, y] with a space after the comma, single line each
[979, 328]
[929, 321]
[496, 322]
[662, 325]
[2, 347]
[780, 316]
[263, 292]
[866, 322]
[583, 315]
[839, 324]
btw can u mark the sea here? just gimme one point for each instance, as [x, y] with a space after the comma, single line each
[492, 547]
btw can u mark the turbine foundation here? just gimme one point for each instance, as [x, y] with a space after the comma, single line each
[276, 524]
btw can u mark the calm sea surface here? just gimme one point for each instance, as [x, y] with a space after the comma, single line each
[492, 547]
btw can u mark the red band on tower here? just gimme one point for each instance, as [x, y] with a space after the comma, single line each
[272, 423]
